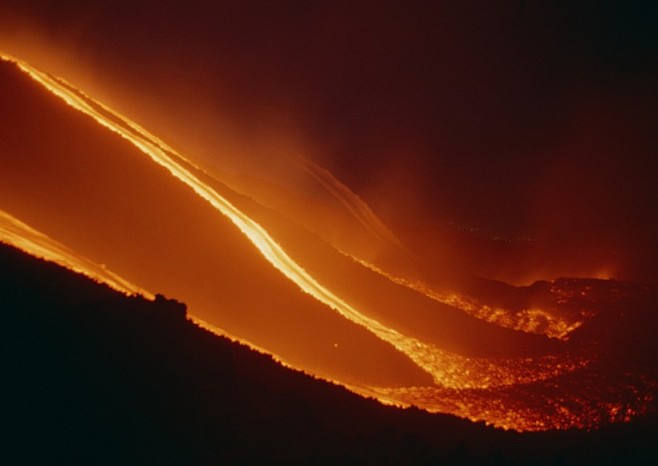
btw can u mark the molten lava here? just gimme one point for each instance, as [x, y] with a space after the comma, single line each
[543, 383]
[26, 238]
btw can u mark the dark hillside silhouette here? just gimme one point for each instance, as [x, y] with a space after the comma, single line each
[93, 377]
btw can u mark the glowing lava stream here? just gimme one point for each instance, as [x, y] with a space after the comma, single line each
[22, 236]
[447, 369]
[18, 234]
[535, 321]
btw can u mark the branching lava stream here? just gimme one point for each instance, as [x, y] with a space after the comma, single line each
[590, 382]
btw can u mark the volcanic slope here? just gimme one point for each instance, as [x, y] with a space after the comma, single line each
[91, 195]
[114, 200]
[92, 376]
[77, 182]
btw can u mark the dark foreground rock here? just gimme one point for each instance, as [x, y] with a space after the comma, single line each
[93, 377]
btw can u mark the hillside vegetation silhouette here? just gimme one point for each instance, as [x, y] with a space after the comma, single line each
[91, 376]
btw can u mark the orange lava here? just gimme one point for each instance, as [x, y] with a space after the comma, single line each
[571, 387]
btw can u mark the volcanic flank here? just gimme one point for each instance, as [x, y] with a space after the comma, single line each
[555, 355]
[94, 376]
[96, 182]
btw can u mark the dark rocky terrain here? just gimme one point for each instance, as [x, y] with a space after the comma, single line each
[93, 377]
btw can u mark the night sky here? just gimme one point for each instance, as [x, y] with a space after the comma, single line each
[520, 119]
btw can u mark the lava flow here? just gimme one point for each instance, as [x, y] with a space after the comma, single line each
[542, 380]
[22, 236]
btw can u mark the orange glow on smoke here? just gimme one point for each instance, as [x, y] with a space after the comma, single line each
[471, 386]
